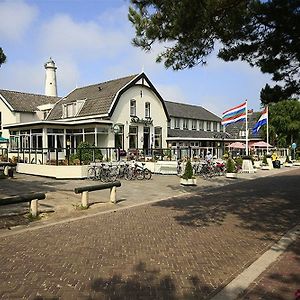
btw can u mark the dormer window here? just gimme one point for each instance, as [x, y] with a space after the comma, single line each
[72, 109]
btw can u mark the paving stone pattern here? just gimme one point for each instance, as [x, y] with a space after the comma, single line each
[183, 248]
[281, 281]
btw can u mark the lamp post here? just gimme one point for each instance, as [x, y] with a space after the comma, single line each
[68, 151]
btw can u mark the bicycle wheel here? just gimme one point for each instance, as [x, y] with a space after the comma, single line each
[140, 175]
[128, 174]
[147, 174]
[104, 176]
[91, 173]
[113, 175]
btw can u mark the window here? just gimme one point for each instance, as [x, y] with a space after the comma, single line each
[72, 109]
[147, 110]
[132, 108]
[133, 137]
[176, 123]
[185, 124]
[215, 124]
[194, 125]
[119, 138]
[208, 126]
[242, 133]
[157, 137]
[201, 125]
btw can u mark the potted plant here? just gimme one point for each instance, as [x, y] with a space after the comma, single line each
[231, 171]
[288, 162]
[188, 177]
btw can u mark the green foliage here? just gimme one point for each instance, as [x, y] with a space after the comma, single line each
[284, 123]
[264, 161]
[238, 162]
[88, 153]
[230, 166]
[265, 34]
[188, 171]
[2, 57]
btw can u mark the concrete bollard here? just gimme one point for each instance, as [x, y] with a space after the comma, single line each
[5, 171]
[34, 208]
[85, 199]
[112, 197]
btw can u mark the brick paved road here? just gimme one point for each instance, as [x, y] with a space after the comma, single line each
[184, 248]
[281, 280]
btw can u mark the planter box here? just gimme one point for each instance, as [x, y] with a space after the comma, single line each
[288, 165]
[265, 168]
[231, 175]
[192, 181]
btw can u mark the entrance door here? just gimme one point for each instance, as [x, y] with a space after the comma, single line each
[146, 139]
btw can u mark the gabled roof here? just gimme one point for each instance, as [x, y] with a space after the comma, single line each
[182, 110]
[99, 98]
[25, 102]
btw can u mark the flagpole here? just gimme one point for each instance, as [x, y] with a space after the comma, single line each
[267, 130]
[246, 127]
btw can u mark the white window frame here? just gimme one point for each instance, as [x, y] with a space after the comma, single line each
[147, 110]
[132, 107]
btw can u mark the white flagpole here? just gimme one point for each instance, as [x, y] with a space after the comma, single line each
[267, 130]
[246, 127]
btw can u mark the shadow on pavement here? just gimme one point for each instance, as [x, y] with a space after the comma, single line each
[261, 205]
[147, 284]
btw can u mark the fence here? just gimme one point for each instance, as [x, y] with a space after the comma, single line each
[83, 156]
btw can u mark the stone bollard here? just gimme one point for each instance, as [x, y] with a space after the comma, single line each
[112, 197]
[85, 199]
[34, 208]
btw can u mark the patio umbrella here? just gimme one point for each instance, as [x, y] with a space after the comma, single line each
[237, 145]
[261, 144]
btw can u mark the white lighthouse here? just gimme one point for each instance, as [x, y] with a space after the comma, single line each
[50, 82]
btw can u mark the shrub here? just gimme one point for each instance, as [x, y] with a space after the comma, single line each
[264, 161]
[230, 166]
[188, 171]
[88, 153]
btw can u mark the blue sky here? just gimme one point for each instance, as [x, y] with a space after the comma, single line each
[90, 41]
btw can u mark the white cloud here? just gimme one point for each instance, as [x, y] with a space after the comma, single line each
[16, 18]
[68, 76]
[22, 76]
[171, 93]
[79, 40]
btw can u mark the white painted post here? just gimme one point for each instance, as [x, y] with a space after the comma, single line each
[85, 199]
[5, 171]
[34, 208]
[113, 192]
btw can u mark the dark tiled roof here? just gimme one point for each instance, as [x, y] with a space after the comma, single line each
[25, 102]
[198, 134]
[235, 128]
[188, 111]
[98, 98]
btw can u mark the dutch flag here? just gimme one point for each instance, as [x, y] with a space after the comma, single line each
[263, 120]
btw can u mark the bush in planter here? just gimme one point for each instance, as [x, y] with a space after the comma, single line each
[230, 166]
[287, 159]
[188, 171]
[264, 161]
